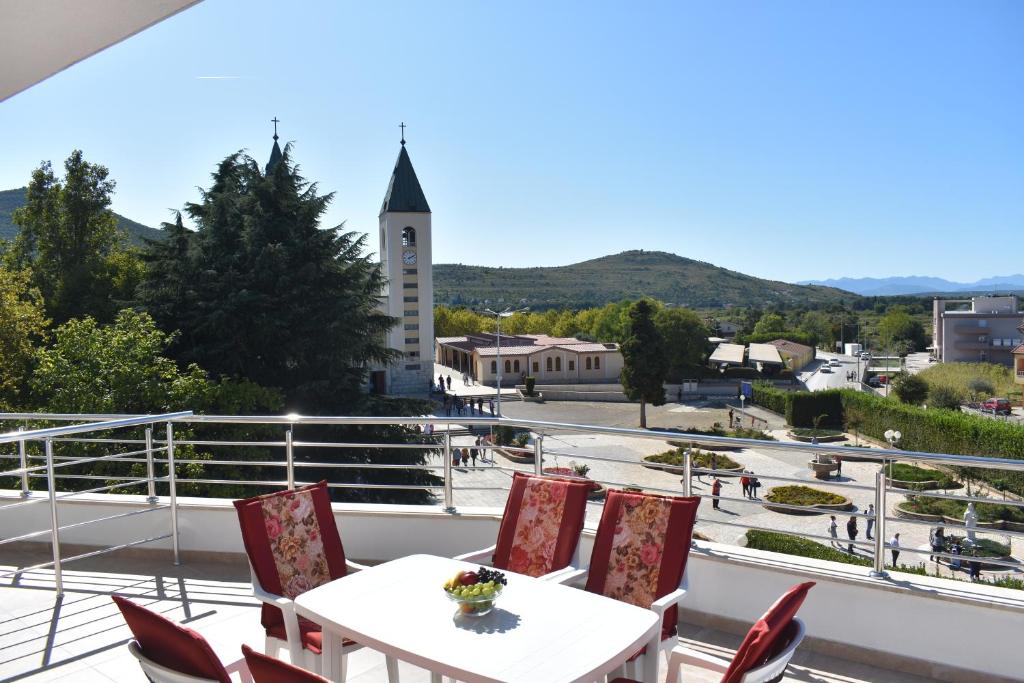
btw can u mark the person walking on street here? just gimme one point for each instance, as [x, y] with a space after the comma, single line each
[754, 485]
[480, 405]
[730, 417]
[473, 453]
[490, 405]
[833, 530]
[440, 382]
[871, 521]
[839, 465]
[716, 490]
[448, 405]
[448, 381]
[937, 540]
[851, 531]
[895, 543]
[975, 566]
[745, 483]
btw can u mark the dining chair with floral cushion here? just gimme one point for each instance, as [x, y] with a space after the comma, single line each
[293, 545]
[639, 557]
[541, 526]
[764, 653]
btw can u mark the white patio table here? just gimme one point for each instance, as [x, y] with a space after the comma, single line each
[538, 631]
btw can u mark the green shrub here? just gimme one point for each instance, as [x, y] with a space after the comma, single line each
[911, 473]
[531, 382]
[794, 545]
[802, 407]
[909, 388]
[503, 435]
[768, 396]
[954, 509]
[944, 397]
[798, 494]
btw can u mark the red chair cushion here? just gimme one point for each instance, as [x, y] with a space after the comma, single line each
[266, 669]
[292, 541]
[312, 635]
[640, 549]
[542, 523]
[767, 634]
[169, 644]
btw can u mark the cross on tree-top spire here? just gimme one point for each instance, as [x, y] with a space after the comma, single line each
[402, 126]
[275, 121]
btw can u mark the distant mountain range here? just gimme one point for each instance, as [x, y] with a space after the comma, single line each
[13, 199]
[913, 284]
[667, 277]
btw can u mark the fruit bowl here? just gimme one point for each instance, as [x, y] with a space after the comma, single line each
[474, 605]
[475, 592]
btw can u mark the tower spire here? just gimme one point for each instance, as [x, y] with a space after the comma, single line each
[275, 151]
[402, 126]
[275, 121]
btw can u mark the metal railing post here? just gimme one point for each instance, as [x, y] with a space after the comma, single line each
[54, 522]
[880, 484]
[449, 499]
[289, 458]
[173, 493]
[688, 472]
[150, 469]
[23, 456]
[538, 454]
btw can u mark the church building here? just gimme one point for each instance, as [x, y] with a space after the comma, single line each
[406, 259]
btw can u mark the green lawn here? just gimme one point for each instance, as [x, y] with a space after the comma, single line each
[802, 495]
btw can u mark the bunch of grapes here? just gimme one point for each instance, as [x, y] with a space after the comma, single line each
[484, 575]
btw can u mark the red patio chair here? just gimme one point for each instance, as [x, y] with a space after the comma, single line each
[540, 528]
[639, 557]
[266, 669]
[293, 545]
[169, 652]
[764, 653]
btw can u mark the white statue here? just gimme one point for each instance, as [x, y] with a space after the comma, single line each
[970, 521]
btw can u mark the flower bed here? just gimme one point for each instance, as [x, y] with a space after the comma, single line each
[672, 461]
[990, 515]
[807, 434]
[914, 478]
[813, 501]
[598, 491]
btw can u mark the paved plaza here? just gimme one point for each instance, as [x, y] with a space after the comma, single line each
[618, 463]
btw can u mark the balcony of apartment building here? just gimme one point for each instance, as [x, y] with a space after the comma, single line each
[72, 537]
[971, 327]
[978, 342]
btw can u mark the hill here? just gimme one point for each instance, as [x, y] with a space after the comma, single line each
[915, 284]
[667, 277]
[13, 199]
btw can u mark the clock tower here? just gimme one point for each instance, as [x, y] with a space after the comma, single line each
[405, 252]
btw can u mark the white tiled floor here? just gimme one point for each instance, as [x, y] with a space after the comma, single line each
[82, 637]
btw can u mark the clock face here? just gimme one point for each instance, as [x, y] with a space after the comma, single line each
[409, 257]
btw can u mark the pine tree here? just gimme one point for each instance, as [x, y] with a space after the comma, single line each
[645, 363]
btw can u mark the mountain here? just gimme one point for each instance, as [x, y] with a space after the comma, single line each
[629, 275]
[914, 284]
[13, 199]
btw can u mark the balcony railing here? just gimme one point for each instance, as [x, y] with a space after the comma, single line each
[158, 457]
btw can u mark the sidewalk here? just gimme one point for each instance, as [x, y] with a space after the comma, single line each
[460, 388]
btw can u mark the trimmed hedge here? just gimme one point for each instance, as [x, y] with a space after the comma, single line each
[794, 545]
[766, 395]
[801, 407]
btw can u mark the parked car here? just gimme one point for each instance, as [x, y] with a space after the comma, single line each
[883, 379]
[1000, 406]
[825, 368]
[865, 355]
[874, 382]
[835, 363]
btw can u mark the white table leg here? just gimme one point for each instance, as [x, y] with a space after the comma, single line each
[392, 665]
[329, 655]
[435, 677]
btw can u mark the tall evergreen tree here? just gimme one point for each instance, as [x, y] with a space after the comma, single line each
[645, 363]
[261, 291]
[69, 239]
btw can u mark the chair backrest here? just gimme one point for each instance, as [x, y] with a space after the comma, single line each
[169, 652]
[770, 636]
[542, 523]
[640, 549]
[292, 542]
[774, 668]
[266, 669]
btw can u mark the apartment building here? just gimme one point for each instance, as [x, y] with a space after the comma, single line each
[979, 329]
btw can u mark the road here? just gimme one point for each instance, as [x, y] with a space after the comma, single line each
[815, 380]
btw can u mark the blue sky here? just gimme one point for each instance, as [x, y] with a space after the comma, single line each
[790, 140]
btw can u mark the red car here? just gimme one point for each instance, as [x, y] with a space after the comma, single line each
[1000, 406]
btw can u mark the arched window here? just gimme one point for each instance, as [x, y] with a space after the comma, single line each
[597, 362]
[515, 366]
[549, 364]
[494, 367]
[558, 364]
[589, 363]
[408, 237]
[508, 366]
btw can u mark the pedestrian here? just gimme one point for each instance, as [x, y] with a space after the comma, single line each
[730, 417]
[937, 539]
[473, 453]
[448, 380]
[456, 457]
[851, 531]
[871, 520]
[894, 544]
[716, 490]
[955, 563]
[480, 405]
[745, 483]
[975, 566]
[754, 485]
[458, 405]
[833, 530]
[839, 465]
[440, 382]
[448, 405]
[490, 405]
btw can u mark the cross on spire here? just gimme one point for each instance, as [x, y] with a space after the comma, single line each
[402, 126]
[275, 121]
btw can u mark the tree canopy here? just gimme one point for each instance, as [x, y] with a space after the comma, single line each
[23, 325]
[686, 340]
[645, 362]
[898, 330]
[261, 291]
[69, 239]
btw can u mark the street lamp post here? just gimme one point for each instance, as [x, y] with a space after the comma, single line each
[508, 312]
